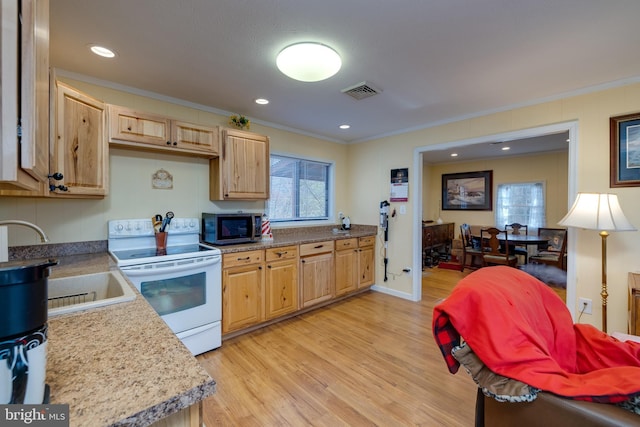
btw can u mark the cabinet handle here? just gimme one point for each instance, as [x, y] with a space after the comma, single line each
[318, 247]
[243, 259]
[282, 253]
[168, 142]
[302, 261]
[260, 268]
[268, 266]
[175, 143]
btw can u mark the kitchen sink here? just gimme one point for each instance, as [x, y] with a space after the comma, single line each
[87, 291]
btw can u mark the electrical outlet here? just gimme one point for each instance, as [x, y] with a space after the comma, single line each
[585, 306]
[406, 270]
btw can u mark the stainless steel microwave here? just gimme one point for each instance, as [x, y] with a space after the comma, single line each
[232, 228]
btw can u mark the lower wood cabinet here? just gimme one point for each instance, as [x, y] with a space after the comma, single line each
[316, 273]
[259, 286]
[243, 281]
[281, 285]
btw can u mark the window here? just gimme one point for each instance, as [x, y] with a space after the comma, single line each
[522, 203]
[299, 189]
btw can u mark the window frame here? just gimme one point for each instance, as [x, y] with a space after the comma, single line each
[330, 192]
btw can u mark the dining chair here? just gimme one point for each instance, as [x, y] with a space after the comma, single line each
[491, 251]
[518, 229]
[469, 251]
[553, 253]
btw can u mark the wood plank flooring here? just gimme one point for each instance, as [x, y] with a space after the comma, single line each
[365, 361]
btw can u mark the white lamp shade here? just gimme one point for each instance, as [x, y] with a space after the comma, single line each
[308, 62]
[595, 211]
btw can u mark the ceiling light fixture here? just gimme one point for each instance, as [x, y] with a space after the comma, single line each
[262, 101]
[345, 126]
[102, 51]
[308, 62]
[505, 148]
[454, 154]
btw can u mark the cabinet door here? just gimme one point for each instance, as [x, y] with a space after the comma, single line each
[366, 265]
[346, 271]
[242, 171]
[318, 280]
[242, 299]
[80, 150]
[127, 125]
[281, 288]
[194, 137]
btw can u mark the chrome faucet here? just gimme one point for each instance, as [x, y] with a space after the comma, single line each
[43, 236]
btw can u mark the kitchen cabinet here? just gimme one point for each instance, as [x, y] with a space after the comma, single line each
[80, 151]
[241, 172]
[346, 266]
[354, 263]
[243, 279]
[146, 131]
[281, 285]
[366, 261]
[317, 273]
[24, 105]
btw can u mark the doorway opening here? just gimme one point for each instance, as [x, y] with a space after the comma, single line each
[419, 207]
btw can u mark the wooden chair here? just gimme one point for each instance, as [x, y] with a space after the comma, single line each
[473, 254]
[518, 229]
[554, 252]
[491, 248]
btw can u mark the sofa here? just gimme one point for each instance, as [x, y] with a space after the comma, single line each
[532, 364]
[548, 410]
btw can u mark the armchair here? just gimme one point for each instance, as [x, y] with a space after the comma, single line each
[554, 252]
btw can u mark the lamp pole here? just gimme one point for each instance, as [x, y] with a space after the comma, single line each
[604, 294]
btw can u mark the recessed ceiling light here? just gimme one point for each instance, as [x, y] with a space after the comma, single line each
[102, 51]
[345, 126]
[262, 101]
[454, 154]
[308, 61]
[505, 148]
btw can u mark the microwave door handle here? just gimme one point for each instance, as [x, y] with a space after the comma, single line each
[133, 271]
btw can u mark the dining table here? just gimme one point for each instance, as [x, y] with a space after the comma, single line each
[518, 239]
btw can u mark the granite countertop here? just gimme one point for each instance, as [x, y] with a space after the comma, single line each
[119, 364]
[302, 235]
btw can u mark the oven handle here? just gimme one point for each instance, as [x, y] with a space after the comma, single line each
[133, 271]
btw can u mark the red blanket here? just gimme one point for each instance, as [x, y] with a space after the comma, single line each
[521, 329]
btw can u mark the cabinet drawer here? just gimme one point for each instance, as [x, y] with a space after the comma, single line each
[346, 244]
[286, 252]
[242, 258]
[367, 241]
[316, 248]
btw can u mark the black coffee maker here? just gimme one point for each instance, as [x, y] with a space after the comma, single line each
[23, 331]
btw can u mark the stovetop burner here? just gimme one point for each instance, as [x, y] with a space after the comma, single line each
[132, 254]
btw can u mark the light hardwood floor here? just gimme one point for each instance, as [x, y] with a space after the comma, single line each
[368, 360]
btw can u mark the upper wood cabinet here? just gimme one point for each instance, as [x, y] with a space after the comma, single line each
[24, 105]
[242, 170]
[134, 129]
[80, 150]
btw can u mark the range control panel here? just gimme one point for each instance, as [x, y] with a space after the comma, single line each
[144, 227]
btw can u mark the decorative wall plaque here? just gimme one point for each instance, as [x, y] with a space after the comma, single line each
[162, 180]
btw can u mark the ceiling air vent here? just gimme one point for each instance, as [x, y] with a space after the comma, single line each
[361, 91]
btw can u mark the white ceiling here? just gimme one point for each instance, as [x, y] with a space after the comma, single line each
[435, 61]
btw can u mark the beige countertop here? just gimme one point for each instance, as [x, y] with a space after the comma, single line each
[120, 364]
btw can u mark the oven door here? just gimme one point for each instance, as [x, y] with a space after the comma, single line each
[186, 293]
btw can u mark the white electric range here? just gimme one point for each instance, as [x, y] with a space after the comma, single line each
[182, 283]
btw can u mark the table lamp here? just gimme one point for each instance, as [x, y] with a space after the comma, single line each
[602, 212]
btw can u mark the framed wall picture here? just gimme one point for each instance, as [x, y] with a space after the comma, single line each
[467, 191]
[625, 150]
